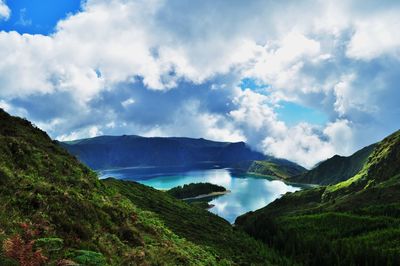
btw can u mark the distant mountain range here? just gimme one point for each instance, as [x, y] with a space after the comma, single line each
[128, 151]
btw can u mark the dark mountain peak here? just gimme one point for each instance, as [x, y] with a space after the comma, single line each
[240, 144]
[336, 169]
[337, 157]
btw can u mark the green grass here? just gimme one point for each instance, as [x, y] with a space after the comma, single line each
[197, 225]
[108, 222]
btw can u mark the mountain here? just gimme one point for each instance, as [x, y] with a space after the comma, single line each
[354, 222]
[335, 169]
[279, 168]
[55, 211]
[127, 151]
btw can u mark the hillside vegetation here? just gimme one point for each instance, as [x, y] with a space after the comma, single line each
[199, 226]
[281, 169]
[194, 189]
[335, 169]
[55, 211]
[354, 222]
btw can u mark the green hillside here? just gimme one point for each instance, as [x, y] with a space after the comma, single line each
[335, 169]
[277, 168]
[55, 211]
[354, 222]
[198, 226]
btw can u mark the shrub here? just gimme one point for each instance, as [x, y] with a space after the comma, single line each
[21, 248]
[90, 258]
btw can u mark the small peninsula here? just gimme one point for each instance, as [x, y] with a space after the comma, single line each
[197, 191]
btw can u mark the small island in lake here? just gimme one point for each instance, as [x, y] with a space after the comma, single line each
[196, 191]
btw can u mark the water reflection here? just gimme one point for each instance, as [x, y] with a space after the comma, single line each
[247, 193]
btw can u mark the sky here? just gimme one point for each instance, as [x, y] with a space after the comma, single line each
[301, 80]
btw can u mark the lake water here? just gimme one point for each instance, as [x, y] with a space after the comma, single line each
[248, 193]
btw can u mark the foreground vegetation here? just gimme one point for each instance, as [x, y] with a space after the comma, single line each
[55, 211]
[199, 226]
[354, 222]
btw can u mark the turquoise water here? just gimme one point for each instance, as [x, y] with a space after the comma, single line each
[248, 193]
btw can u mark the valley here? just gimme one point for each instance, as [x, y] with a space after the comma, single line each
[125, 217]
[199, 133]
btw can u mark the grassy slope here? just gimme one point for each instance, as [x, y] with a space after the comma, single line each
[336, 169]
[354, 222]
[280, 170]
[196, 225]
[41, 184]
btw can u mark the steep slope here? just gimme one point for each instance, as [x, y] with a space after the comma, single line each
[198, 226]
[282, 169]
[51, 205]
[354, 222]
[335, 169]
[127, 151]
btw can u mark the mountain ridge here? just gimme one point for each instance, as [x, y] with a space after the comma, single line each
[131, 150]
[356, 221]
[335, 169]
[104, 152]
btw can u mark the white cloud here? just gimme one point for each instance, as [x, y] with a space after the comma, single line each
[5, 11]
[340, 136]
[21, 112]
[88, 132]
[376, 36]
[128, 102]
[343, 62]
[300, 144]
[189, 120]
[279, 64]
[255, 117]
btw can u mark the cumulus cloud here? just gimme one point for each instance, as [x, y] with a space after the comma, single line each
[170, 68]
[5, 11]
[376, 36]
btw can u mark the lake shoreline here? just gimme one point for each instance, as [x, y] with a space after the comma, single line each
[247, 192]
[271, 178]
[212, 194]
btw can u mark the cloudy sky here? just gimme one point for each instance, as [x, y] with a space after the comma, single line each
[301, 80]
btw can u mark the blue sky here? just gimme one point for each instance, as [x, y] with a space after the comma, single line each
[289, 112]
[272, 74]
[38, 16]
[293, 113]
